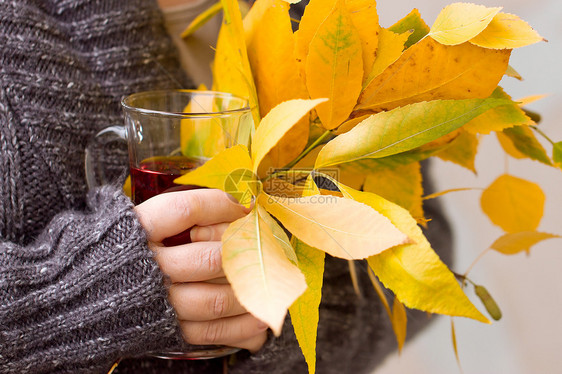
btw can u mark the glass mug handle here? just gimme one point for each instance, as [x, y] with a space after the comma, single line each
[95, 174]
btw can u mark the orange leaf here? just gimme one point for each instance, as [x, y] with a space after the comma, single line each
[334, 67]
[431, 71]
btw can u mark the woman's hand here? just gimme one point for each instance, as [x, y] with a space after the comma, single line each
[205, 304]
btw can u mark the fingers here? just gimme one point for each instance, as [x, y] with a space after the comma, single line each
[208, 233]
[243, 331]
[171, 213]
[254, 344]
[204, 302]
[194, 262]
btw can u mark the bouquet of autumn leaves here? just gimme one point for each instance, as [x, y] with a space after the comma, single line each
[344, 94]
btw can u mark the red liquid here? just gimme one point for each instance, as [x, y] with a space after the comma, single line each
[155, 176]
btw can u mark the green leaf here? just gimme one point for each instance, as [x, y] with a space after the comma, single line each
[412, 21]
[557, 154]
[391, 162]
[525, 142]
[488, 301]
[402, 129]
[498, 118]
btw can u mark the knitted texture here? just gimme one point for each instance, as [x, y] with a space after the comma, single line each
[86, 293]
[78, 285]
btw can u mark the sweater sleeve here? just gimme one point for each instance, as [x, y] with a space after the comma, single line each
[85, 293]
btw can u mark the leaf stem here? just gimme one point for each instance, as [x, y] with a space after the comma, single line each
[474, 262]
[542, 134]
[314, 144]
[303, 154]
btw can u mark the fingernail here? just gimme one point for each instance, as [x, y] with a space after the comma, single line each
[232, 198]
[262, 325]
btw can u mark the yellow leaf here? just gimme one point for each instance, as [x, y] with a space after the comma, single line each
[231, 69]
[507, 31]
[530, 99]
[314, 15]
[334, 67]
[399, 322]
[455, 347]
[304, 311]
[281, 237]
[270, 51]
[391, 46]
[280, 187]
[201, 19]
[508, 146]
[430, 71]
[398, 319]
[114, 366]
[512, 243]
[205, 137]
[230, 171]
[275, 125]
[254, 18]
[341, 227]
[264, 281]
[462, 150]
[349, 124]
[402, 129]
[380, 292]
[445, 192]
[514, 204]
[402, 186]
[511, 72]
[459, 22]
[413, 271]
[499, 118]
[366, 20]
[127, 187]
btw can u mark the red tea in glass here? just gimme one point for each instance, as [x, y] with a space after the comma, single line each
[155, 176]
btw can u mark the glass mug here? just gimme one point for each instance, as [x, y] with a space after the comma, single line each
[170, 133]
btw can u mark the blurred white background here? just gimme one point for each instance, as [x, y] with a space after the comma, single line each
[528, 289]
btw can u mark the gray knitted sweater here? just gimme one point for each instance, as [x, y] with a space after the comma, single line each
[78, 286]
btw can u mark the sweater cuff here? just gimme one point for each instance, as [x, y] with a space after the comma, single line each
[88, 292]
[142, 318]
